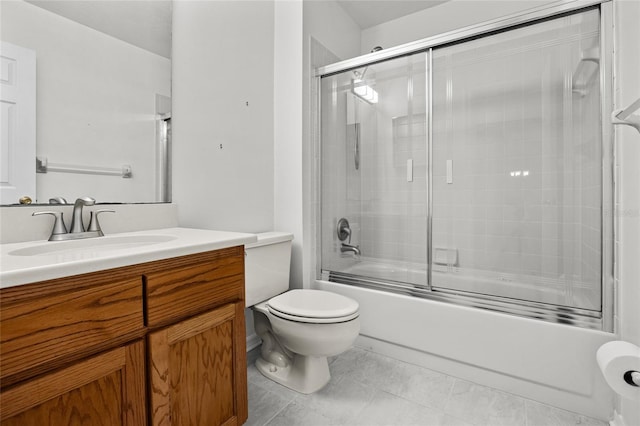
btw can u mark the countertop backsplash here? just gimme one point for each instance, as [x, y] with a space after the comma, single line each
[18, 225]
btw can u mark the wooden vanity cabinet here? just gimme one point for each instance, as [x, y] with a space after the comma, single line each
[159, 343]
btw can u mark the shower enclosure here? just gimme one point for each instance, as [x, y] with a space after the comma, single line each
[475, 169]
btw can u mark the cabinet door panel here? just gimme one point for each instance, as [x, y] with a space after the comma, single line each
[107, 389]
[198, 370]
[96, 403]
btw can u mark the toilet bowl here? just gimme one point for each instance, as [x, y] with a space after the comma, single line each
[299, 328]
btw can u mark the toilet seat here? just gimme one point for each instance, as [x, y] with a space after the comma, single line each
[313, 306]
[312, 320]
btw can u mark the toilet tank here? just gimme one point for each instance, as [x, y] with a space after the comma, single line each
[266, 266]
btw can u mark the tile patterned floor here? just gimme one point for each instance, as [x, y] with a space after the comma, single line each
[370, 389]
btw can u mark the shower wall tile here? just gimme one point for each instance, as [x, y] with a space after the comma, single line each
[526, 191]
[394, 211]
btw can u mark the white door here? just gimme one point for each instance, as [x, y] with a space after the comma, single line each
[18, 124]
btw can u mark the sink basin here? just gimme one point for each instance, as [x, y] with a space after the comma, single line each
[91, 245]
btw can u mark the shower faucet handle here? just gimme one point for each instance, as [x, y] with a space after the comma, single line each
[344, 230]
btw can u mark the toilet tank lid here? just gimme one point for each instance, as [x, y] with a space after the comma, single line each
[266, 238]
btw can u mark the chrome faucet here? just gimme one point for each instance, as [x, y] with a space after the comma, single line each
[76, 217]
[59, 232]
[344, 231]
[344, 248]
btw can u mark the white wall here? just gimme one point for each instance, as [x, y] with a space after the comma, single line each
[223, 114]
[288, 176]
[330, 25]
[627, 16]
[95, 104]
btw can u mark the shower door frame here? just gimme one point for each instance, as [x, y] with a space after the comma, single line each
[602, 320]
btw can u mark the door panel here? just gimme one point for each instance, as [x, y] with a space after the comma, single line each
[18, 123]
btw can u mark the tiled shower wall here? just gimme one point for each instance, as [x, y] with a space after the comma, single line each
[519, 119]
[394, 206]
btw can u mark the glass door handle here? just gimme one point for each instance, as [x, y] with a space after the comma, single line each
[356, 146]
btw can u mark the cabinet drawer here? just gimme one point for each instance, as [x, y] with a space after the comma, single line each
[207, 280]
[54, 327]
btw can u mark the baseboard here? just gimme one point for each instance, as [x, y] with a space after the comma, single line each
[253, 341]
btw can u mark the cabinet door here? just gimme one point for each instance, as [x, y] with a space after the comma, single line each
[198, 370]
[107, 389]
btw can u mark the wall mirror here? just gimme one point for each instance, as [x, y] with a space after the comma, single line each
[102, 115]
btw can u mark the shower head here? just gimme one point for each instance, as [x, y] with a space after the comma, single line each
[360, 75]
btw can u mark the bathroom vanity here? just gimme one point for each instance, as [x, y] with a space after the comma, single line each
[159, 342]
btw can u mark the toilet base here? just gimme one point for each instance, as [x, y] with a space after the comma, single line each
[305, 374]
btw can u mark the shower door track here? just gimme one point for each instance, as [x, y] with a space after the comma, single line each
[541, 311]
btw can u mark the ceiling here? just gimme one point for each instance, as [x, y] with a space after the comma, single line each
[147, 23]
[368, 13]
[143, 23]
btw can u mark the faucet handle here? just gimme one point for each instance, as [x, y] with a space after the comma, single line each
[344, 230]
[57, 200]
[94, 225]
[58, 223]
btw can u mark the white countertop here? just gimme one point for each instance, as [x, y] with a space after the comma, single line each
[51, 259]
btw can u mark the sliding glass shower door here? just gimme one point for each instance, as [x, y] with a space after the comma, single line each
[476, 172]
[374, 171]
[517, 189]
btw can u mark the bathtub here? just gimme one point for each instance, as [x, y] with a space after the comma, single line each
[543, 361]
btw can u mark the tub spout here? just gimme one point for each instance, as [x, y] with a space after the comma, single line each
[344, 248]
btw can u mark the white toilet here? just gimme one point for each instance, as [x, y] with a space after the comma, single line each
[299, 328]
